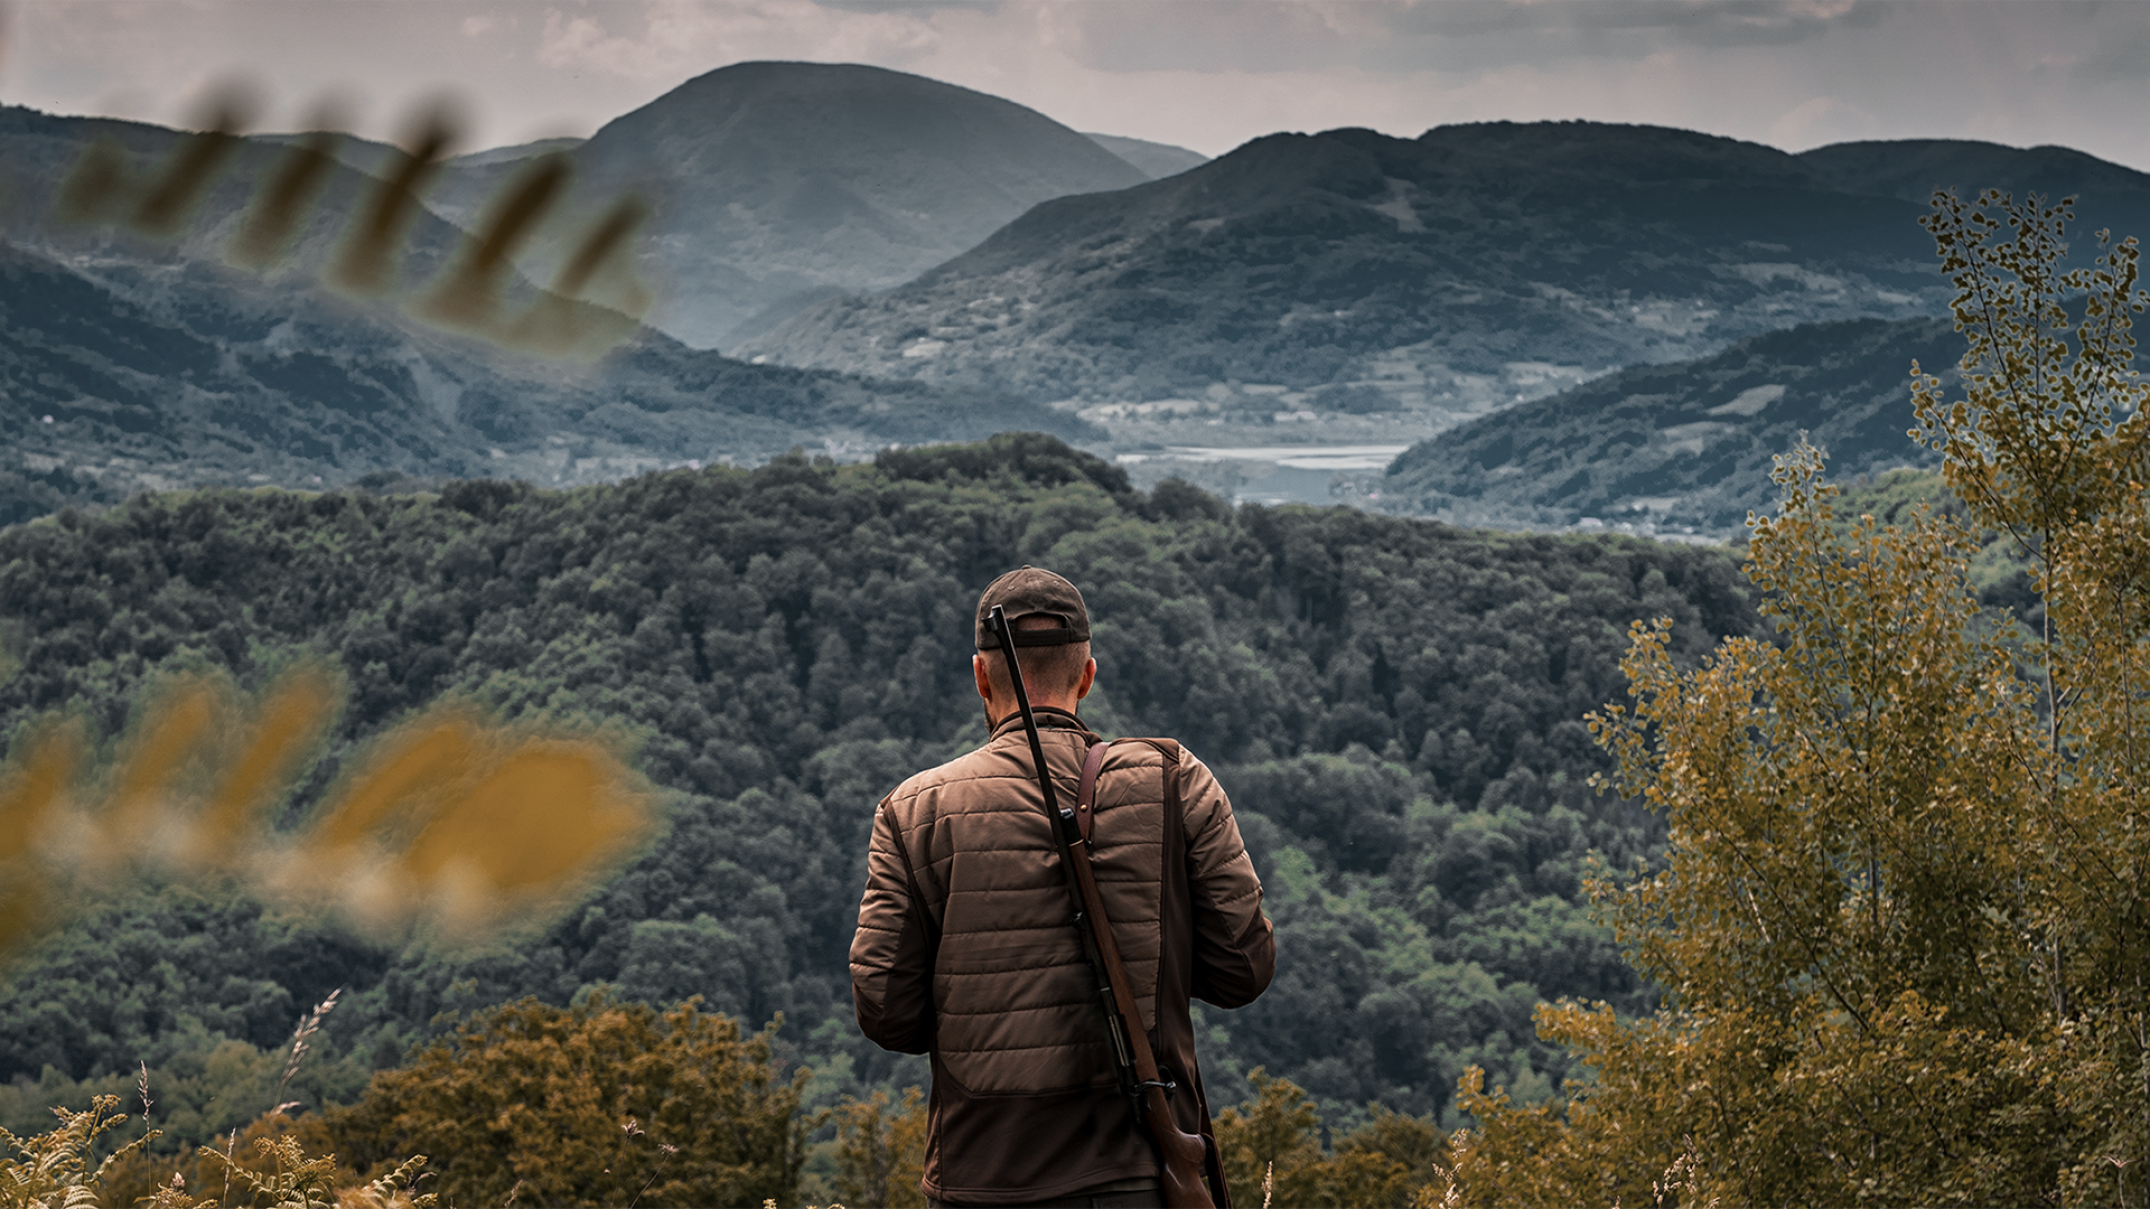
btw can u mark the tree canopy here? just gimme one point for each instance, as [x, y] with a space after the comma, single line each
[1394, 704]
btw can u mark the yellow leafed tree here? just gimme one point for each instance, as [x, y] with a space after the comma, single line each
[881, 1155]
[601, 1103]
[1271, 1151]
[1901, 926]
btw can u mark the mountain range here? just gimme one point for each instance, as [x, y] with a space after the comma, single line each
[77, 186]
[1156, 160]
[1344, 275]
[768, 184]
[1426, 269]
[1304, 290]
[161, 365]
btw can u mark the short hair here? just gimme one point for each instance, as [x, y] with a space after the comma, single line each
[1046, 669]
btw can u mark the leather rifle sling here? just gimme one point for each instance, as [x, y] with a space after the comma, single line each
[1086, 789]
[1179, 1151]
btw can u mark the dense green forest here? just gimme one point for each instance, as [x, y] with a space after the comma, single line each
[1394, 704]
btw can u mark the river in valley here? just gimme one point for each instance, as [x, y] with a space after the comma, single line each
[1268, 474]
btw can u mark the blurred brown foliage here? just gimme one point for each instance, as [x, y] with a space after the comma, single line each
[447, 820]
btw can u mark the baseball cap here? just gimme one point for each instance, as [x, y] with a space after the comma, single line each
[1027, 591]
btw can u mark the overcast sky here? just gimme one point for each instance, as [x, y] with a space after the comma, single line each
[1206, 74]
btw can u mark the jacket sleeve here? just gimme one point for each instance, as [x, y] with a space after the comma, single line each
[1235, 949]
[892, 951]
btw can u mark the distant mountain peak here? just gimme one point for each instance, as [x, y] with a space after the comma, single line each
[779, 184]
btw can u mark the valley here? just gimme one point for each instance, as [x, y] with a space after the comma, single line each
[1368, 450]
[1342, 288]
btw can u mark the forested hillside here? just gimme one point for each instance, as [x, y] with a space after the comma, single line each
[2108, 195]
[125, 377]
[1395, 705]
[1685, 447]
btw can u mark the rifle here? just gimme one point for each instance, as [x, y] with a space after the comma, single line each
[1181, 1154]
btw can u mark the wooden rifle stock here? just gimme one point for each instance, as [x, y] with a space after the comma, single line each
[1182, 1155]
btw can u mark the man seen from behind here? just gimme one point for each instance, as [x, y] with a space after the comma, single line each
[966, 948]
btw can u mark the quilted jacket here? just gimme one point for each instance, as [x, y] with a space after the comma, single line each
[965, 950]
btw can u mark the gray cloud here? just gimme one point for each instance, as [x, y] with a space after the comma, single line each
[2121, 58]
[910, 6]
[1727, 23]
[1203, 36]
[1442, 35]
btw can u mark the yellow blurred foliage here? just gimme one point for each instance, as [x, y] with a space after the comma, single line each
[293, 719]
[33, 784]
[31, 789]
[468, 825]
[448, 822]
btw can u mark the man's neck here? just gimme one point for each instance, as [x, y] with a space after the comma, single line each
[1048, 714]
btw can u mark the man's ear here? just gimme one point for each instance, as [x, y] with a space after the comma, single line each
[1089, 676]
[979, 674]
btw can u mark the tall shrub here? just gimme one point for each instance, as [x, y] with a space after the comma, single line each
[599, 1103]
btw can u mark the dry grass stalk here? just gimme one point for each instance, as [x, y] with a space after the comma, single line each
[300, 1038]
